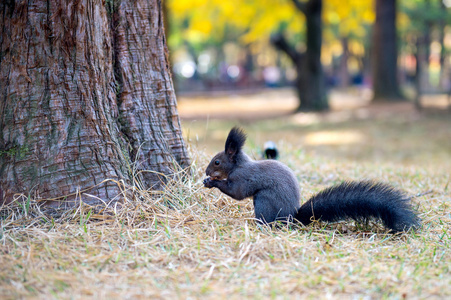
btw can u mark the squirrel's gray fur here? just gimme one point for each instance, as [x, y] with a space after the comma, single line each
[276, 194]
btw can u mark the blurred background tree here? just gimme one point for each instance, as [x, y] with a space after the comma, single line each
[385, 52]
[425, 37]
[220, 45]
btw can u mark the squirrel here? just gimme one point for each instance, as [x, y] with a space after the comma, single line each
[276, 194]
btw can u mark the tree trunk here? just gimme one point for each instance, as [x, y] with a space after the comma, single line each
[345, 78]
[310, 77]
[444, 76]
[384, 52]
[418, 74]
[310, 85]
[87, 96]
[427, 47]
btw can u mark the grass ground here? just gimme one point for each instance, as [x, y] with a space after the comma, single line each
[190, 242]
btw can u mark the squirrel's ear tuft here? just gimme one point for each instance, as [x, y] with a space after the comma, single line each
[234, 142]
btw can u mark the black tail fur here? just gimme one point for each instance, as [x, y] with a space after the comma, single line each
[360, 201]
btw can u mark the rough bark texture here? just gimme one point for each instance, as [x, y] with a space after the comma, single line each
[86, 94]
[310, 77]
[385, 53]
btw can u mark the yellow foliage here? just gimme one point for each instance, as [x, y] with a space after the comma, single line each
[257, 19]
[402, 20]
[356, 48]
[201, 25]
[183, 7]
[368, 16]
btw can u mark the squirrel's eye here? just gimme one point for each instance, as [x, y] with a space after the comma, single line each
[217, 162]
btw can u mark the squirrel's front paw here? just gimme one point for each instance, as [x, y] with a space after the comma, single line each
[207, 182]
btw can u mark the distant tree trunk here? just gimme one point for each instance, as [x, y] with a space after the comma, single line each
[418, 74]
[427, 47]
[384, 52]
[444, 78]
[310, 76]
[345, 79]
[86, 96]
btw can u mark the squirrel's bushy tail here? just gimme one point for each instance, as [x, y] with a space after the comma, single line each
[360, 201]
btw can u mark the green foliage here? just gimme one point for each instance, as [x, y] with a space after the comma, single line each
[25, 206]
[414, 15]
[17, 152]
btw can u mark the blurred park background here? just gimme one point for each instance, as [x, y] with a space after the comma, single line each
[365, 80]
[226, 45]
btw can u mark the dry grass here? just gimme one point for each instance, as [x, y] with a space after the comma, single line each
[190, 242]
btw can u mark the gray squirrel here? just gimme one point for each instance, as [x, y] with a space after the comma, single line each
[276, 194]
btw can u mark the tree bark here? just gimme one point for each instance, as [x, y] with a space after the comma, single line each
[310, 77]
[312, 90]
[385, 53]
[427, 46]
[86, 96]
[345, 78]
[444, 76]
[418, 73]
